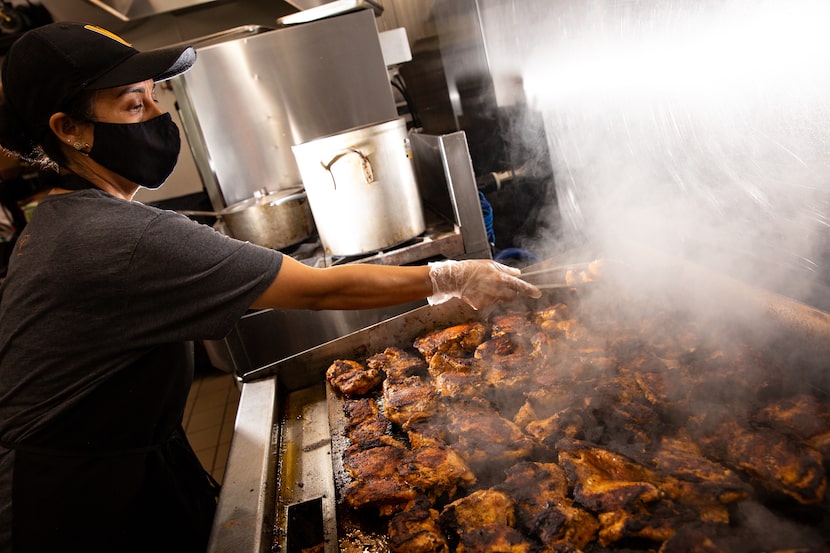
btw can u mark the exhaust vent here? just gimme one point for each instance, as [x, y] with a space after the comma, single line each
[314, 10]
[129, 10]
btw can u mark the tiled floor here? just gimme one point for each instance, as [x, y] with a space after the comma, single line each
[209, 418]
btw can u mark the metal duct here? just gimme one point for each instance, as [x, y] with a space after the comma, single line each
[336, 6]
[128, 10]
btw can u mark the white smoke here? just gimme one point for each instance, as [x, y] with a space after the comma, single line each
[700, 128]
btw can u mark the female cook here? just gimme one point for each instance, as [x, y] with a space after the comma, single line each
[103, 294]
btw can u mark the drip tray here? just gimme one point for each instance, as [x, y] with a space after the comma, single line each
[305, 501]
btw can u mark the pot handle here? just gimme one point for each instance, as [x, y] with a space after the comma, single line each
[192, 213]
[301, 195]
[365, 164]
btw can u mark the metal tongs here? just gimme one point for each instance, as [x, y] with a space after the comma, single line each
[564, 276]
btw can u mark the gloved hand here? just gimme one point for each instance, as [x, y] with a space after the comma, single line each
[479, 282]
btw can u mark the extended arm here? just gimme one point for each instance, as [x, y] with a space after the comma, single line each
[366, 286]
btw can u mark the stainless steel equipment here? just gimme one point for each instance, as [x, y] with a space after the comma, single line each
[258, 91]
[275, 220]
[361, 187]
[454, 230]
[280, 469]
[312, 10]
[131, 9]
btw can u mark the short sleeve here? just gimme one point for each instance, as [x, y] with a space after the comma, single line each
[186, 281]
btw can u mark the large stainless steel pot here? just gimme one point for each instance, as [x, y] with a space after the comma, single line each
[272, 219]
[361, 188]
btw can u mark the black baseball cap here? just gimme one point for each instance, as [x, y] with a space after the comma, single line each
[48, 66]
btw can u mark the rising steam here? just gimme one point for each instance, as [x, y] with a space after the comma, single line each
[699, 128]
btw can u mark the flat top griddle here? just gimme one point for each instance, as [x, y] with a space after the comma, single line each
[281, 486]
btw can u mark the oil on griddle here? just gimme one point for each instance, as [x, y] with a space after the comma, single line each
[550, 429]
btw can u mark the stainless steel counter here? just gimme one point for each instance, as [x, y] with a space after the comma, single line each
[246, 503]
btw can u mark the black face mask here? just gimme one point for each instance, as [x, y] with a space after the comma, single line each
[144, 153]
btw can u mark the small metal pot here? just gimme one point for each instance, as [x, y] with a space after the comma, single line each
[272, 219]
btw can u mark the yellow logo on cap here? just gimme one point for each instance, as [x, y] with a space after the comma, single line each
[108, 34]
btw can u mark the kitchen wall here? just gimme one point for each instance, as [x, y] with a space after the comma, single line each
[414, 15]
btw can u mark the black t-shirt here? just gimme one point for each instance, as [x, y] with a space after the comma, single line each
[98, 286]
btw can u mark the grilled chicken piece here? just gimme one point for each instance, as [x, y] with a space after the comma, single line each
[633, 425]
[512, 323]
[407, 399]
[504, 364]
[389, 475]
[484, 522]
[543, 508]
[821, 443]
[416, 530]
[459, 340]
[771, 458]
[571, 330]
[672, 384]
[376, 480]
[558, 361]
[431, 430]
[550, 357]
[672, 335]
[696, 481]
[494, 538]
[442, 363]
[436, 471]
[397, 363]
[366, 427]
[605, 480]
[351, 378]
[610, 411]
[628, 496]
[588, 337]
[802, 416]
[664, 387]
[460, 387]
[525, 416]
[730, 376]
[480, 508]
[548, 317]
[488, 442]
[638, 522]
[542, 403]
[690, 539]
[624, 416]
[568, 424]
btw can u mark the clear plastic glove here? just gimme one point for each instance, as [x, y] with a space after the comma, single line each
[479, 282]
